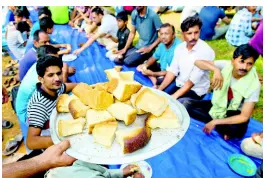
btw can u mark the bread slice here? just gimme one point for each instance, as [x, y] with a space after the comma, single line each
[151, 102]
[70, 127]
[112, 73]
[123, 112]
[115, 73]
[125, 102]
[98, 99]
[104, 133]
[133, 100]
[95, 117]
[77, 108]
[80, 89]
[133, 140]
[63, 102]
[127, 75]
[167, 120]
[125, 89]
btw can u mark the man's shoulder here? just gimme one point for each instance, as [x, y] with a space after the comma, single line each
[204, 44]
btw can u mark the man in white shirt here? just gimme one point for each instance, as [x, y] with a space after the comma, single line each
[189, 11]
[191, 82]
[233, 102]
[108, 26]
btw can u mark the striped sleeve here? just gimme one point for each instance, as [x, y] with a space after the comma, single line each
[62, 89]
[38, 115]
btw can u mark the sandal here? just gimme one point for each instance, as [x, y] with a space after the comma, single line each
[13, 145]
[6, 124]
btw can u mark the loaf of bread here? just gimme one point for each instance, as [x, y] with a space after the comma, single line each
[133, 100]
[123, 112]
[94, 117]
[133, 140]
[125, 89]
[149, 101]
[70, 127]
[63, 102]
[77, 108]
[165, 121]
[104, 133]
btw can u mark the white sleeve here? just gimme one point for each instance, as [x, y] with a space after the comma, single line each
[105, 26]
[221, 63]
[254, 97]
[196, 74]
[19, 37]
[174, 67]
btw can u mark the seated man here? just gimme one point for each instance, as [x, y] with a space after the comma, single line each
[240, 29]
[108, 25]
[43, 100]
[231, 106]
[41, 38]
[191, 82]
[147, 23]
[155, 68]
[209, 16]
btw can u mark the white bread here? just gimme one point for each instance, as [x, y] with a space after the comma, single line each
[133, 140]
[125, 102]
[80, 89]
[77, 108]
[115, 73]
[98, 99]
[133, 100]
[112, 73]
[123, 112]
[63, 102]
[151, 102]
[104, 133]
[127, 75]
[125, 89]
[167, 120]
[95, 117]
[70, 127]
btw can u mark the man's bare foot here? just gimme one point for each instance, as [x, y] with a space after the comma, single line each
[153, 80]
[71, 71]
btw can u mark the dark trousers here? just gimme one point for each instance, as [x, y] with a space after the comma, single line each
[132, 58]
[199, 110]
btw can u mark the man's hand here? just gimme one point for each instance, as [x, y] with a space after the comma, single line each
[71, 23]
[217, 80]
[108, 36]
[138, 175]
[55, 155]
[77, 51]
[141, 67]
[148, 72]
[130, 170]
[122, 51]
[257, 137]
[209, 126]
[68, 48]
[144, 50]
[4, 95]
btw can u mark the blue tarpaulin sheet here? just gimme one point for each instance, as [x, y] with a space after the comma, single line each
[195, 155]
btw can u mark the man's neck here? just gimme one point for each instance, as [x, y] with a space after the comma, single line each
[143, 12]
[50, 92]
[123, 28]
[237, 77]
[189, 47]
[170, 44]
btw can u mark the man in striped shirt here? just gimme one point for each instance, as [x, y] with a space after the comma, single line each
[43, 100]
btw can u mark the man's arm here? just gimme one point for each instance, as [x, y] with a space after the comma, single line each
[226, 20]
[70, 86]
[53, 157]
[88, 43]
[146, 50]
[65, 51]
[114, 39]
[183, 90]
[167, 80]
[37, 142]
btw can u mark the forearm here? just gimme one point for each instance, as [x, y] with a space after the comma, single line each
[39, 142]
[114, 39]
[129, 41]
[238, 119]
[153, 45]
[90, 41]
[92, 28]
[150, 61]
[167, 80]
[184, 89]
[205, 65]
[26, 168]
[158, 74]
[70, 86]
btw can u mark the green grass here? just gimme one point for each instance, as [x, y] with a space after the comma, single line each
[223, 50]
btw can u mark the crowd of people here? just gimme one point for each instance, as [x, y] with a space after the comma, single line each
[179, 67]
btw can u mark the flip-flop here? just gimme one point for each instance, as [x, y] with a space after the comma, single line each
[13, 145]
[6, 124]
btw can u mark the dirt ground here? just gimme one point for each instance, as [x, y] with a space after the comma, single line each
[9, 114]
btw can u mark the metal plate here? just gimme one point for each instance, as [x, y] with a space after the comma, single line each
[83, 148]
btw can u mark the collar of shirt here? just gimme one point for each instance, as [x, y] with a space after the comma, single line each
[144, 17]
[195, 47]
[39, 89]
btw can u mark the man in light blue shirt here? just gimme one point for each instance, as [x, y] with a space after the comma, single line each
[240, 29]
[155, 67]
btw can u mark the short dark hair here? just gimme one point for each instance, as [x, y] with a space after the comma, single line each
[18, 13]
[45, 23]
[23, 26]
[46, 50]
[45, 11]
[98, 11]
[246, 51]
[122, 16]
[168, 25]
[36, 34]
[44, 62]
[190, 22]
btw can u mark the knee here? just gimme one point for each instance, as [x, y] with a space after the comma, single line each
[187, 104]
